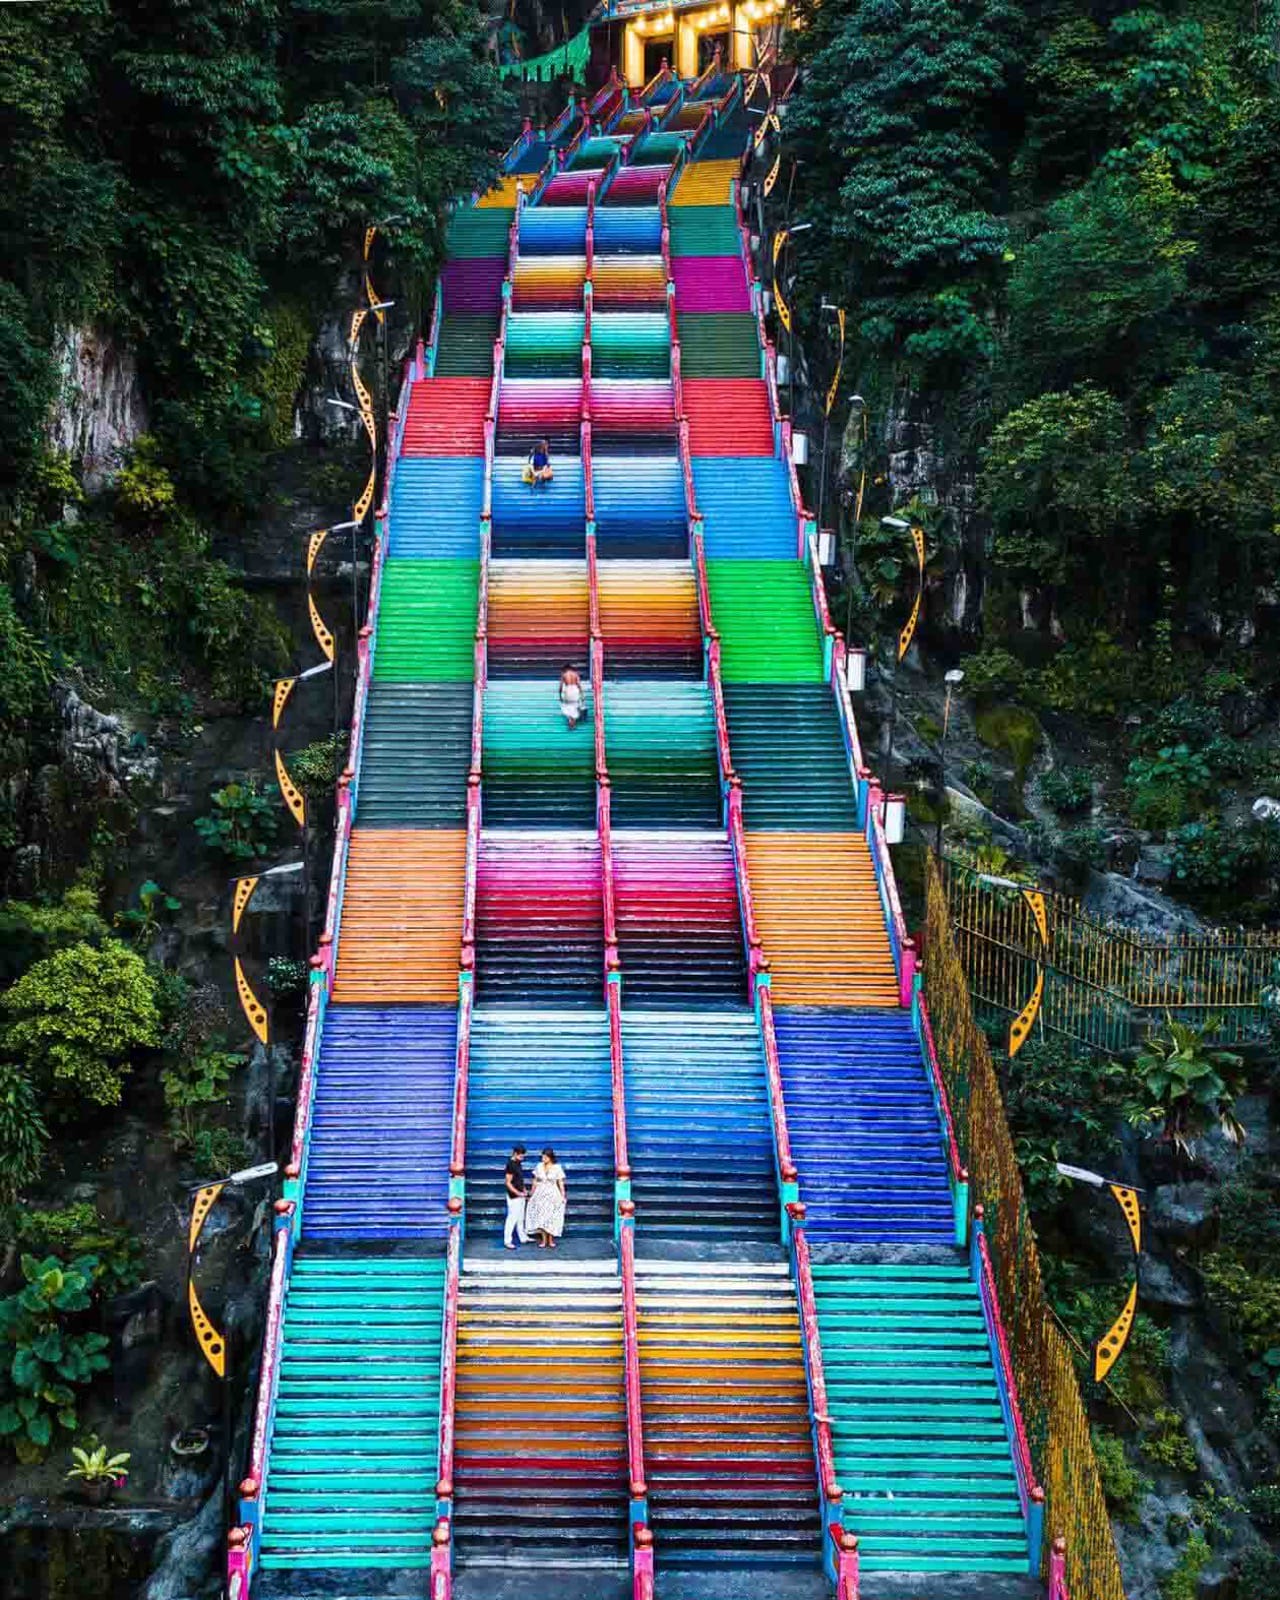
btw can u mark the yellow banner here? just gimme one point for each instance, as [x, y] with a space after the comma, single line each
[323, 637]
[212, 1344]
[1020, 1027]
[1127, 1200]
[773, 175]
[1110, 1347]
[834, 390]
[784, 310]
[243, 895]
[284, 688]
[313, 547]
[203, 1203]
[1036, 901]
[293, 797]
[254, 1010]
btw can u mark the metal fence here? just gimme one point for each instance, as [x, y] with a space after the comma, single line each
[1054, 1415]
[1104, 985]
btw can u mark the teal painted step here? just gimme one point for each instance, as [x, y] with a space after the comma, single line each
[352, 1464]
[921, 1448]
[789, 752]
[660, 746]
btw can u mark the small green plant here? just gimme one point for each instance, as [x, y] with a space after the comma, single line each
[144, 489]
[1228, 871]
[286, 977]
[191, 1087]
[1264, 1505]
[1122, 1484]
[43, 1360]
[1248, 1300]
[1167, 789]
[1167, 1444]
[1069, 790]
[78, 1016]
[1259, 1575]
[243, 822]
[215, 1150]
[315, 768]
[981, 778]
[1182, 1583]
[23, 1134]
[1185, 1087]
[98, 1466]
[142, 922]
[993, 672]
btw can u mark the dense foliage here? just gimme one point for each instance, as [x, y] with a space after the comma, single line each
[1053, 225]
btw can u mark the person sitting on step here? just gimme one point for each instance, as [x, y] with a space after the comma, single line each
[537, 469]
[572, 699]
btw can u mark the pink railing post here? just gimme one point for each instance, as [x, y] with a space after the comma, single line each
[1058, 1570]
[845, 1546]
[788, 1177]
[441, 1561]
[642, 1565]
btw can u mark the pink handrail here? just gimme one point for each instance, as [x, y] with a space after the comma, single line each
[587, 475]
[269, 1371]
[593, 588]
[306, 1075]
[704, 595]
[621, 1154]
[1028, 1472]
[1058, 1571]
[831, 1489]
[773, 1072]
[462, 1071]
[612, 85]
[591, 231]
[597, 709]
[737, 839]
[717, 702]
[846, 1553]
[441, 1576]
[449, 1358]
[631, 1355]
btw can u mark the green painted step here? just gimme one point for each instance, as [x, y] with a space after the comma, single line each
[352, 1462]
[763, 611]
[920, 1443]
[704, 231]
[465, 348]
[538, 771]
[427, 622]
[719, 344]
[479, 231]
[660, 748]
[790, 754]
[630, 344]
[544, 344]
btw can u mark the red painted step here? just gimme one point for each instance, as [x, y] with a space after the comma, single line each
[728, 417]
[446, 417]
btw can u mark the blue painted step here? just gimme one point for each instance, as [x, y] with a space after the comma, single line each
[381, 1124]
[548, 521]
[435, 506]
[640, 506]
[745, 503]
[698, 1126]
[542, 1077]
[864, 1131]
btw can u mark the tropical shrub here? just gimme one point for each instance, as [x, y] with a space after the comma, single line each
[23, 1134]
[1184, 1087]
[243, 822]
[1169, 787]
[77, 1017]
[193, 1086]
[44, 1359]
[1067, 789]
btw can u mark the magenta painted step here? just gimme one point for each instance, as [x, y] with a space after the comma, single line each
[473, 283]
[635, 186]
[710, 283]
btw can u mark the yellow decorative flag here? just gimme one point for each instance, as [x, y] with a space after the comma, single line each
[834, 390]
[1110, 1347]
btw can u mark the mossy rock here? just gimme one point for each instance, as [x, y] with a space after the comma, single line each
[1014, 731]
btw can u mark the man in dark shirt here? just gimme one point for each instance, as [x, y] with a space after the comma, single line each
[513, 1179]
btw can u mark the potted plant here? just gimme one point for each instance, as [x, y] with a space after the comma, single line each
[97, 1472]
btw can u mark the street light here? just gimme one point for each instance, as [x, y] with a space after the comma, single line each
[215, 1343]
[953, 679]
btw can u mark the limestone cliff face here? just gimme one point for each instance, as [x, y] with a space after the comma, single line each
[100, 408]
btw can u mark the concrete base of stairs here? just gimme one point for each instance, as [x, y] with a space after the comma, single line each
[524, 1578]
[666, 1247]
[949, 1586]
[283, 1583]
[884, 1255]
[731, 1580]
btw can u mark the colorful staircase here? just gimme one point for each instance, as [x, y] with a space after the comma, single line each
[665, 942]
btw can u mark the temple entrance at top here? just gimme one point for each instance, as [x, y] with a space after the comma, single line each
[656, 51]
[708, 44]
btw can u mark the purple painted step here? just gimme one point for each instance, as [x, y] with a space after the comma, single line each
[710, 283]
[473, 283]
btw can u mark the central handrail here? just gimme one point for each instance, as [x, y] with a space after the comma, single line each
[788, 1177]
[638, 1489]
[832, 1493]
[449, 1368]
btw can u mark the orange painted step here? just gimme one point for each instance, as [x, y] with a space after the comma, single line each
[446, 417]
[401, 929]
[818, 910]
[728, 417]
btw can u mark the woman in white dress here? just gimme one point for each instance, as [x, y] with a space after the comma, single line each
[544, 1214]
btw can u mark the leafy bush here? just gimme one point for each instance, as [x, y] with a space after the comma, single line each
[315, 768]
[1184, 1087]
[1183, 1583]
[191, 1087]
[23, 1135]
[1122, 1484]
[1259, 1575]
[1067, 789]
[1096, 679]
[79, 1015]
[243, 822]
[26, 664]
[43, 1359]
[77, 1230]
[29, 931]
[286, 977]
[1227, 871]
[1247, 1300]
[1167, 1444]
[217, 1150]
[1063, 1104]
[1166, 789]
[1082, 847]
[144, 490]
[994, 673]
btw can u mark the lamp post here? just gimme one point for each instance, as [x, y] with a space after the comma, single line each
[953, 680]
[215, 1343]
[255, 1010]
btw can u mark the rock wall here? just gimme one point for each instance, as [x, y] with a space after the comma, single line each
[100, 408]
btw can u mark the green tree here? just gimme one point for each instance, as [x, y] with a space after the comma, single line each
[43, 1357]
[77, 1017]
